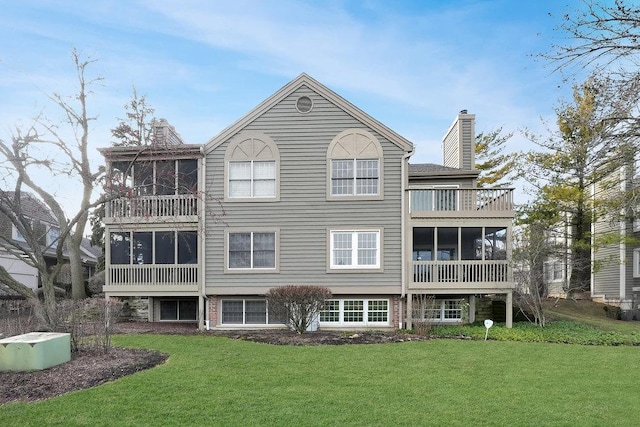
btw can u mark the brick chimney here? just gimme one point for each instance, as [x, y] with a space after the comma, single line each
[459, 148]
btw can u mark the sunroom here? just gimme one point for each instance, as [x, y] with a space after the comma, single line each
[459, 257]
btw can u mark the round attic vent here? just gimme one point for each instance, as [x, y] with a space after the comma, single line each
[304, 104]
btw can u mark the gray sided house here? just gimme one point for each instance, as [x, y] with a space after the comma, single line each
[615, 278]
[306, 189]
[14, 247]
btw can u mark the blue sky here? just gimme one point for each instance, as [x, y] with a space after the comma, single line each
[203, 64]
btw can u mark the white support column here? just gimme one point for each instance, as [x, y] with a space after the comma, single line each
[201, 309]
[409, 323]
[150, 309]
[509, 309]
[472, 308]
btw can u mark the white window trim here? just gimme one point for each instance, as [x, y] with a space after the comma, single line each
[365, 317]
[51, 241]
[16, 235]
[354, 250]
[636, 262]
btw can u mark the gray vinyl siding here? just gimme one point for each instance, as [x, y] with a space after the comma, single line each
[452, 148]
[608, 276]
[459, 144]
[303, 215]
[467, 139]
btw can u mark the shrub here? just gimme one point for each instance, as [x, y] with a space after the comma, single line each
[90, 321]
[297, 305]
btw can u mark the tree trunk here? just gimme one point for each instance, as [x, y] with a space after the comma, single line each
[16, 286]
[77, 271]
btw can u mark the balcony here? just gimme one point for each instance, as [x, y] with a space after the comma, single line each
[182, 207]
[151, 278]
[461, 202]
[476, 275]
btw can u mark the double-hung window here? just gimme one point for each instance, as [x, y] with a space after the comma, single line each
[252, 179]
[354, 166]
[355, 177]
[252, 168]
[355, 249]
[252, 250]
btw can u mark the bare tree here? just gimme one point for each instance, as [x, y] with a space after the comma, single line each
[531, 250]
[138, 128]
[594, 140]
[60, 150]
[602, 34]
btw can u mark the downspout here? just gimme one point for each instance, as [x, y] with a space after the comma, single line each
[201, 224]
[403, 256]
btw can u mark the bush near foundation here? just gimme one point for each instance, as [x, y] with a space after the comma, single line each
[297, 305]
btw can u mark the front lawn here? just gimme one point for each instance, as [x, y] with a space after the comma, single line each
[218, 381]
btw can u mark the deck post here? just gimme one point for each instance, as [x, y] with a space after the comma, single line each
[509, 309]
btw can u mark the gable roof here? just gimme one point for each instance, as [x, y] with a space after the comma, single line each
[32, 207]
[305, 80]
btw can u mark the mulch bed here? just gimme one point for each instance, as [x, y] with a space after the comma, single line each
[92, 367]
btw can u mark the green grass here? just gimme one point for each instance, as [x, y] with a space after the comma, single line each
[211, 380]
[559, 331]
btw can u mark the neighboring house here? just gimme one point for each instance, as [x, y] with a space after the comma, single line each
[44, 226]
[306, 189]
[615, 278]
[557, 268]
[545, 259]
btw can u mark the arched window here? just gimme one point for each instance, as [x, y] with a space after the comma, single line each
[354, 166]
[252, 168]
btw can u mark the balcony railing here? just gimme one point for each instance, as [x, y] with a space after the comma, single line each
[153, 206]
[153, 275]
[472, 273]
[482, 201]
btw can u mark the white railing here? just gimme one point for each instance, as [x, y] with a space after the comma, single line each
[468, 272]
[153, 274]
[461, 199]
[153, 206]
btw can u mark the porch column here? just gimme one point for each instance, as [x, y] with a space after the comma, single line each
[472, 308]
[201, 312]
[409, 323]
[509, 309]
[150, 309]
